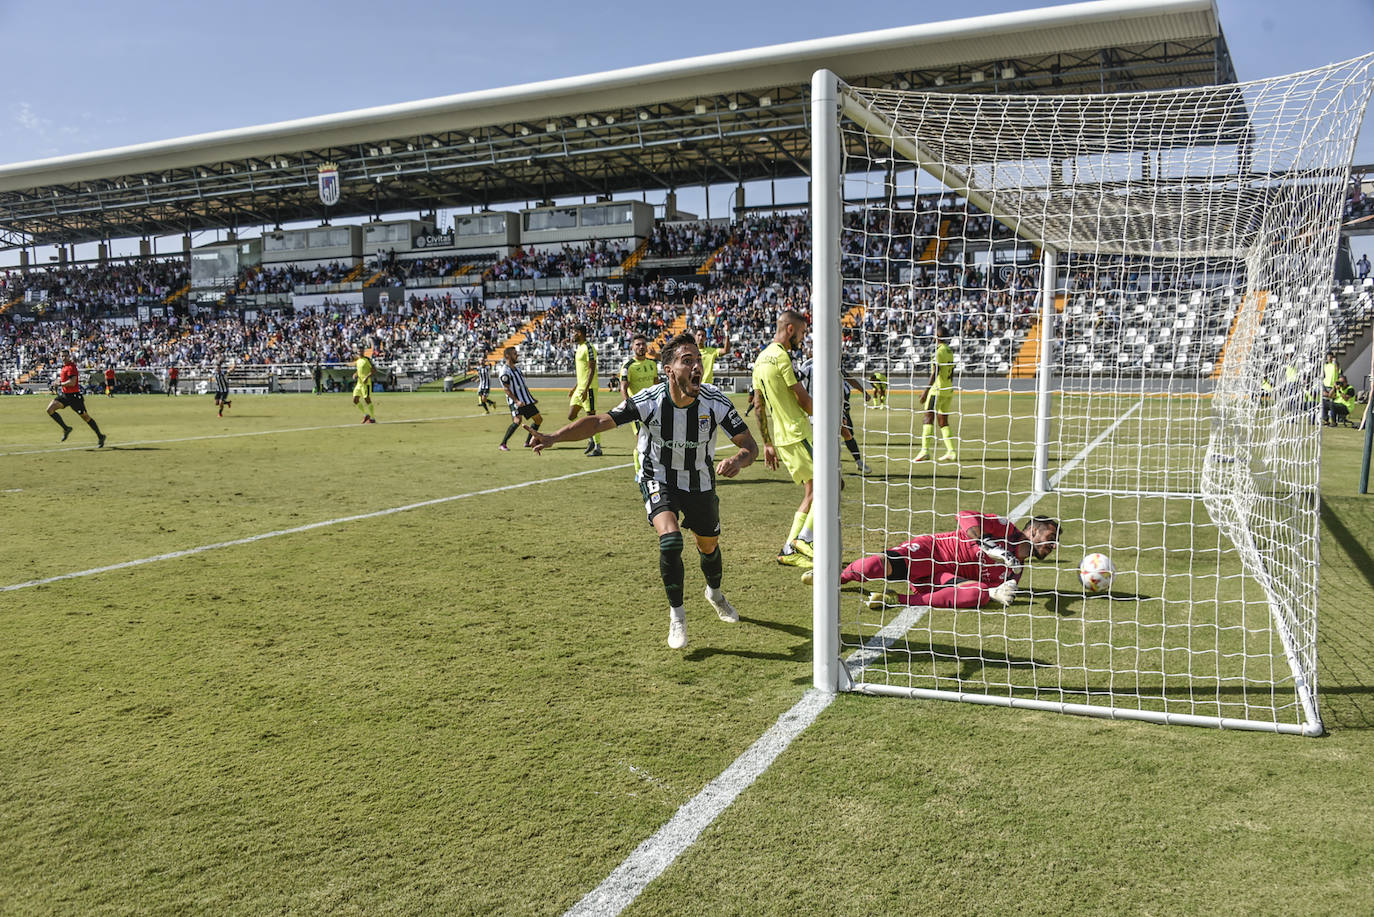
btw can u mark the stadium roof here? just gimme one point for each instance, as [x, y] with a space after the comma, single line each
[731, 117]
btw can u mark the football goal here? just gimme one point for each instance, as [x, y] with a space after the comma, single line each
[1111, 310]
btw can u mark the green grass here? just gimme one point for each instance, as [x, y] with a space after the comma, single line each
[470, 707]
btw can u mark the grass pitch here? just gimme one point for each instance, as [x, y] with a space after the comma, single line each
[469, 707]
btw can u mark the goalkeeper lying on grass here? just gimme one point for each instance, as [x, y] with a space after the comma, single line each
[977, 563]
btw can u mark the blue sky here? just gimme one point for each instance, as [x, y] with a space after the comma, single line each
[88, 76]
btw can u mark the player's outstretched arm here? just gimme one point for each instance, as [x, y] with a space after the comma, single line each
[748, 451]
[581, 428]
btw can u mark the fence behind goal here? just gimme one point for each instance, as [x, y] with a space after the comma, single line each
[1135, 291]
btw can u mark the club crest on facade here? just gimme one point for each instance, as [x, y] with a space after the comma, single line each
[329, 184]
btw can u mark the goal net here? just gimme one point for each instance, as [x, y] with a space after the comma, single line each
[1134, 293]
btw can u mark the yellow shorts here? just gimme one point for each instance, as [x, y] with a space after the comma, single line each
[362, 391]
[796, 458]
[941, 401]
[587, 402]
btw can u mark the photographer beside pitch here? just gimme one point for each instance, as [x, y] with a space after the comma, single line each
[677, 421]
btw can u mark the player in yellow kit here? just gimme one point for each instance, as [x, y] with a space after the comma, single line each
[784, 409]
[938, 401]
[709, 355]
[362, 384]
[636, 374]
[583, 394]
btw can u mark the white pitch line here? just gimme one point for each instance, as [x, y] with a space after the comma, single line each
[173, 555]
[652, 857]
[189, 439]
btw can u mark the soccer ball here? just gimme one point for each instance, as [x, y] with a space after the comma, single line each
[1096, 572]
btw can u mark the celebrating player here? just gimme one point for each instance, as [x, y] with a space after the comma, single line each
[583, 395]
[484, 386]
[69, 396]
[979, 562]
[677, 443]
[518, 398]
[784, 409]
[362, 384]
[221, 389]
[938, 399]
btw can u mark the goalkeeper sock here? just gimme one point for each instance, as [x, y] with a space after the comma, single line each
[853, 446]
[371, 409]
[670, 566]
[927, 436]
[948, 437]
[362, 408]
[713, 567]
[509, 431]
[864, 569]
[806, 534]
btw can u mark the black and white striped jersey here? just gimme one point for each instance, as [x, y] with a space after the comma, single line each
[513, 380]
[483, 378]
[803, 371]
[677, 446]
[221, 381]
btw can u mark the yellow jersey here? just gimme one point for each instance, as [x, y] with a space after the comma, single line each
[773, 379]
[943, 365]
[586, 367]
[639, 374]
[364, 372]
[708, 363]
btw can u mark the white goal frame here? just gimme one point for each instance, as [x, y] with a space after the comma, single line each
[832, 103]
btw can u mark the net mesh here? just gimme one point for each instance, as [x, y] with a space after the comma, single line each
[1191, 236]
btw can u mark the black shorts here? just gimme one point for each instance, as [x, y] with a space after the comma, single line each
[698, 510]
[74, 400]
[221, 396]
[526, 411]
[484, 391]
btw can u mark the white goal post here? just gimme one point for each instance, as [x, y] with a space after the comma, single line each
[1136, 292]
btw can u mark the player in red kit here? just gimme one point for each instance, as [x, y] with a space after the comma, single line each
[69, 396]
[980, 561]
[109, 381]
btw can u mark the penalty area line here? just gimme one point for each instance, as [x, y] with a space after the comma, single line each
[652, 857]
[190, 439]
[173, 555]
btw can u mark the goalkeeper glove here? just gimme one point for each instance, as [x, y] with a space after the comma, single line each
[999, 553]
[1004, 593]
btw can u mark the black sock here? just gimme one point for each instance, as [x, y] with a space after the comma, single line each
[94, 426]
[57, 419]
[670, 566]
[853, 447]
[509, 430]
[713, 567]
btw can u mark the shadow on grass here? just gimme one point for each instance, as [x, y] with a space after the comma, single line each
[1350, 543]
[1065, 604]
[798, 653]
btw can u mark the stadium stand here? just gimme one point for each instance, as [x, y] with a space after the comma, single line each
[728, 278]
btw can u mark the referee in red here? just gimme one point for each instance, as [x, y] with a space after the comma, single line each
[69, 396]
